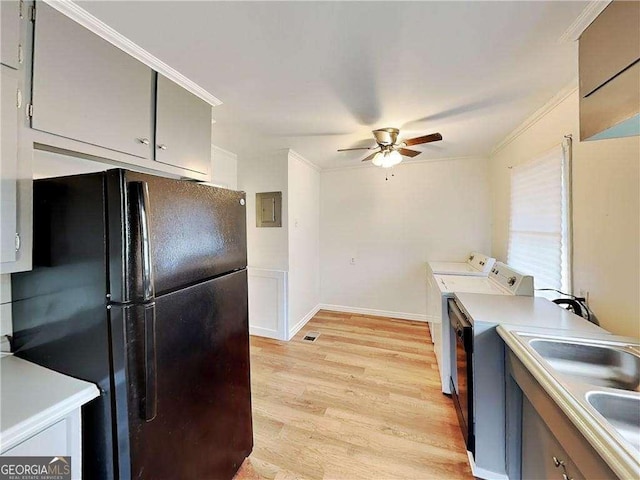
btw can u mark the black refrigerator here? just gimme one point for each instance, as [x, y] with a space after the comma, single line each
[139, 285]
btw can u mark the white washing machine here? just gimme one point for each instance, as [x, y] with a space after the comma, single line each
[477, 265]
[502, 280]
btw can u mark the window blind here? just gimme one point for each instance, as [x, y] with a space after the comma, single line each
[539, 242]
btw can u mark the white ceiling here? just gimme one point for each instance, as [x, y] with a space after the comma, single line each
[318, 76]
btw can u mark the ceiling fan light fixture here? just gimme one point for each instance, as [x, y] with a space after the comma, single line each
[391, 158]
[378, 159]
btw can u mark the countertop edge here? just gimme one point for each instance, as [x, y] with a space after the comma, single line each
[618, 459]
[45, 418]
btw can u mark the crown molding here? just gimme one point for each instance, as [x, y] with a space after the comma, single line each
[536, 116]
[297, 156]
[222, 150]
[588, 15]
[406, 162]
[84, 18]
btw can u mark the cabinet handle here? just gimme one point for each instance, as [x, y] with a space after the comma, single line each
[144, 141]
[557, 462]
[162, 146]
[566, 477]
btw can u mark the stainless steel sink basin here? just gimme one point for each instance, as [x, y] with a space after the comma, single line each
[622, 412]
[602, 365]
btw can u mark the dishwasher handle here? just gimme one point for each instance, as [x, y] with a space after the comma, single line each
[461, 325]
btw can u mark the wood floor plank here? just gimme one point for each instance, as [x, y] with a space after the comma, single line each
[361, 402]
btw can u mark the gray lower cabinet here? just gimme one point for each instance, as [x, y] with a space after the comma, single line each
[183, 128]
[542, 454]
[8, 163]
[10, 11]
[86, 89]
[542, 442]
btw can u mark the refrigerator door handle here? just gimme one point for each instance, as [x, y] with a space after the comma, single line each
[150, 405]
[140, 199]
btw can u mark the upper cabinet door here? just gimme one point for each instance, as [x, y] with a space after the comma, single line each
[609, 45]
[86, 89]
[9, 32]
[9, 99]
[183, 128]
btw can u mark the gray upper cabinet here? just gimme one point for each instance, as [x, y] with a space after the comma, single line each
[609, 45]
[10, 12]
[8, 164]
[609, 69]
[183, 128]
[86, 89]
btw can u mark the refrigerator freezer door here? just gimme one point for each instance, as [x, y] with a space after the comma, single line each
[203, 427]
[196, 232]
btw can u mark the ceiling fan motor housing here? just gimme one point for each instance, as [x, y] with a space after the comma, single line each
[386, 136]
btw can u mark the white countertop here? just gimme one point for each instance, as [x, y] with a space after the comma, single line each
[522, 311]
[33, 397]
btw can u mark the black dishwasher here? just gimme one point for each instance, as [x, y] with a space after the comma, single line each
[462, 390]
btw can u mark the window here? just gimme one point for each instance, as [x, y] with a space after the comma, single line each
[539, 226]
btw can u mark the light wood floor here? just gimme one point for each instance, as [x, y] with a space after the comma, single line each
[363, 401]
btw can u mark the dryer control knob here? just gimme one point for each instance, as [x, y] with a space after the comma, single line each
[511, 281]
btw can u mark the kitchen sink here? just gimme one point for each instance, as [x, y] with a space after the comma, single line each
[622, 412]
[597, 364]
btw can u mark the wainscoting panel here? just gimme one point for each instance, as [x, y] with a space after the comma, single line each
[268, 303]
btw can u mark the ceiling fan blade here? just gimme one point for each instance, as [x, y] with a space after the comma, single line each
[359, 148]
[370, 157]
[409, 153]
[434, 137]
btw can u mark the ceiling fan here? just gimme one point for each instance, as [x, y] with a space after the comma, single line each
[389, 152]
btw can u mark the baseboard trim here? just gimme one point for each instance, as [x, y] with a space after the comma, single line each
[264, 332]
[303, 321]
[483, 473]
[375, 313]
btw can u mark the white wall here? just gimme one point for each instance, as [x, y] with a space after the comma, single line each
[432, 210]
[304, 241]
[284, 261]
[267, 247]
[224, 168]
[606, 218]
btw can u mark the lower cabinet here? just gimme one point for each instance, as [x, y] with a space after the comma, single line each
[542, 442]
[62, 439]
[542, 454]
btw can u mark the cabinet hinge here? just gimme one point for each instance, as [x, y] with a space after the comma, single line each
[20, 54]
[21, 7]
[18, 99]
[30, 110]
[32, 12]
[17, 242]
